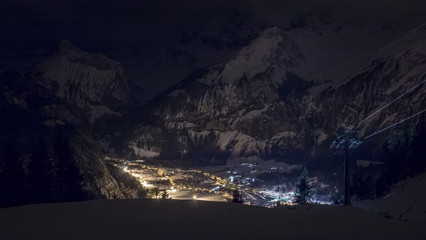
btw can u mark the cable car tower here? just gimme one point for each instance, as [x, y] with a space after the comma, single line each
[347, 140]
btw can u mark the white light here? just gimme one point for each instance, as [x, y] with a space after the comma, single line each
[145, 184]
[194, 197]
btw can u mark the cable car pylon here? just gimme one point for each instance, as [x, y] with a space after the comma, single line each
[347, 140]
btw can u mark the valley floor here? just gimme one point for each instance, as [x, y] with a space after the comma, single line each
[174, 219]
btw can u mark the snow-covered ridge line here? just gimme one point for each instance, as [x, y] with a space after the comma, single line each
[84, 77]
[256, 103]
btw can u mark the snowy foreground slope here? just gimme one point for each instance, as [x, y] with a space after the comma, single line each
[405, 202]
[172, 219]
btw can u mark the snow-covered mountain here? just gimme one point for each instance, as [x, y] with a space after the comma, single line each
[262, 103]
[333, 50]
[281, 96]
[93, 81]
[221, 109]
[201, 44]
[75, 93]
[84, 77]
[396, 68]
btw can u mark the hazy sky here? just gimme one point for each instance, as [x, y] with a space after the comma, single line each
[47, 20]
[371, 9]
[28, 28]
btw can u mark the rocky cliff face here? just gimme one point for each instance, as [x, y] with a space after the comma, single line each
[100, 179]
[93, 82]
[84, 77]
[233, 108]
[259, 104]
[397, 68]
[72, 91]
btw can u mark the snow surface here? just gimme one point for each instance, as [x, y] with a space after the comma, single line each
[83, 76]
[98, 111]
[254, 59]
[243, 143]
[174, 219]
[143, 152]
[405, 202]
[53, 123]
[177, 92]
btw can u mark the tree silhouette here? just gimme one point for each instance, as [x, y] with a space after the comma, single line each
[164, 194]
[403, 153]
[236, 197]
[11, 177]
[155, 192]
[303, 191]
[69, 176]
[37, 181]
[415, 156]
[51, 175]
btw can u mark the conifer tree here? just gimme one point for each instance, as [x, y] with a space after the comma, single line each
[37, 183]
[11, 177]
[303, 191]
[164, 194]
[155, 192]
[415, 157]
[51, 175]
[69, 176]
[2, 180]
[236, 198]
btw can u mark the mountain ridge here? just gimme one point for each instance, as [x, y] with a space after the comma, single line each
[222, 111]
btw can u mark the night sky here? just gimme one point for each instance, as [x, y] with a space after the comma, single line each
[33, 29]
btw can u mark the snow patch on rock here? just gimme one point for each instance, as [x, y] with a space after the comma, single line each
[144, 152]
[98, 111]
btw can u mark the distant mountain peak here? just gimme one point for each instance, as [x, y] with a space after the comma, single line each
[413, 41]
[273, 48]
[85, 77]
[66, 45]
[316, 23]
[67, 50]
[313, 20]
